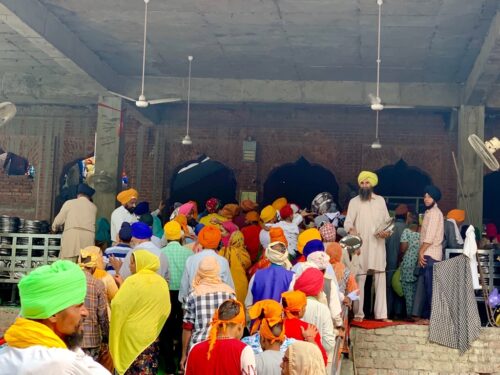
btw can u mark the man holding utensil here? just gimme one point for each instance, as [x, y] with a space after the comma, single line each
[366, 216]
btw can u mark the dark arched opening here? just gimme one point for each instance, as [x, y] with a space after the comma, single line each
[402, 184]
[491, 199]
[201, 179]
[299, 182]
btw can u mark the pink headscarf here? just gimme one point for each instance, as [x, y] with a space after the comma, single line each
[230, 227]
[186, 208]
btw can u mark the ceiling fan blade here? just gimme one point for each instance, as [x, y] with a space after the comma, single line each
[165, 100]
[122, 96]
[398, 106]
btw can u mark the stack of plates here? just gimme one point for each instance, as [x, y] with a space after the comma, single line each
[31, 227]
[9, 224]
[54, 241]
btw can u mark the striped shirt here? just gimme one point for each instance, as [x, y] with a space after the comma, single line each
[96, 324]
[432, 232]
[119, 251]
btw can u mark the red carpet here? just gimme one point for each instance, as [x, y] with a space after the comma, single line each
[374, 324]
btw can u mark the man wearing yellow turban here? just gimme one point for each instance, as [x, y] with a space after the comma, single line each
[45, 339]
[365, 214]
[128, 200]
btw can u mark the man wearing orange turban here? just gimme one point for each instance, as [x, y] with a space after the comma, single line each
[366, 213]
[209, 237]
[124, 213]
[452, 238]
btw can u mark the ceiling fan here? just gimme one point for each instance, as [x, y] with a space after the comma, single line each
[142, 102]
[375, 100]
[7, 112]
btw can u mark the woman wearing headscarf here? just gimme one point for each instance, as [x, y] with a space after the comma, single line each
[227, 228]
[294, 306]
[208, 292]
[239, 261]
[223, 352]
[302, 358]
[138, 313]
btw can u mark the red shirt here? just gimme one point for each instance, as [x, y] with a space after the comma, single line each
[225, 358]
[293, 330]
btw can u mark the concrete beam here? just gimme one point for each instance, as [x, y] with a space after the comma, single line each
[211, 90]
[486, 68]
[43, 29]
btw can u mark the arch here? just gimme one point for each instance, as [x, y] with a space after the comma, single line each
[401, 180]
[491, 198]
[202, 179]
[299, 182]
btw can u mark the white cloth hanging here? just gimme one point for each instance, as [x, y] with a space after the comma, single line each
[470, 250]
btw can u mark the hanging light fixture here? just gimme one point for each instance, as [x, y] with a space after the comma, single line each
[187, 139]
[376, 144]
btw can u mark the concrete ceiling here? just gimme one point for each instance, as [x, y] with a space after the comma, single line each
[325, 40]
[434, 52]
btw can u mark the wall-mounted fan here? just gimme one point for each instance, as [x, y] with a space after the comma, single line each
[375, 100]
[486, 150]
[7, 112]
[142, 102]
[102, 182]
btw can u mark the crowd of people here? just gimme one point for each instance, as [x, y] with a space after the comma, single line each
[226, 289]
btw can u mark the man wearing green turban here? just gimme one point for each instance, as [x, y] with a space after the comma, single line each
[45, 338]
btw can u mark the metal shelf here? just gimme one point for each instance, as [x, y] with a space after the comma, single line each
[20, 253]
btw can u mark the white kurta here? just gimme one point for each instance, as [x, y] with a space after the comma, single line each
[365, 217]
[41, 360]
[118, 217]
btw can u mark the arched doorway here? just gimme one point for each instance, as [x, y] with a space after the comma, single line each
[202, 179]
[491, 198]
[401, 183]
[300, 182]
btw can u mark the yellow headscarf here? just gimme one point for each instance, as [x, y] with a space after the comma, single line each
[267, 214]
[138, 311]
[370, 176]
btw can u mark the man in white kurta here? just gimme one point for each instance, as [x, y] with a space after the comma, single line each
[124, 213]
[366, 212]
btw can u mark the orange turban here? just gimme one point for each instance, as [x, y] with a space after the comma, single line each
[248, 205]
[182, 220]
[306, 236]
[279, 203]
[219, 324]
[127, 195]
[334, 250]
[252, 216]
[267, 214]
[456, 214]
[268, 309]
[230, 210]
[267, 333]
[293, 302]
[209, 237]
[276, 234]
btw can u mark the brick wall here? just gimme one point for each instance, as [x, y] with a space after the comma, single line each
[405, 350]
[337, 139]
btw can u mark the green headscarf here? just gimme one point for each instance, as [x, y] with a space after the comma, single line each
[50, 289]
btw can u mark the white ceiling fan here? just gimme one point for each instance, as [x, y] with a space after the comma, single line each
[142, 102]
[375, 100]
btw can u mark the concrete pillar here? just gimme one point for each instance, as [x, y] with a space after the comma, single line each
[470, 121]
[108, 153]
